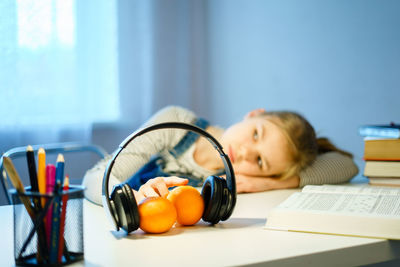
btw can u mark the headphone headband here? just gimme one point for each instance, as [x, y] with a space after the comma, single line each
[230, 176]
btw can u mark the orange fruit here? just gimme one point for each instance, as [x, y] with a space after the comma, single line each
[157, 215]
[188, 203]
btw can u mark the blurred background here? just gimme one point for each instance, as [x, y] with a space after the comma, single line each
[94, 71]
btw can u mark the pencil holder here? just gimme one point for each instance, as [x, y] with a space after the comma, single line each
[48, 228]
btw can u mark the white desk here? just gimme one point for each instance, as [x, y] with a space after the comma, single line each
[241, 240]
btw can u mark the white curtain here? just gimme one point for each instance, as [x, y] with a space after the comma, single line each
[58, 70]
[72, 70]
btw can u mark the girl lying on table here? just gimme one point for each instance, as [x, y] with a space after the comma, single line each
[268, 150]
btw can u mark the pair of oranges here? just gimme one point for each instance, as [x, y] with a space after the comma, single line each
[183, 204]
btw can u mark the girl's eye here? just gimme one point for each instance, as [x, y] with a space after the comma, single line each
[255, 135]
[259, 162]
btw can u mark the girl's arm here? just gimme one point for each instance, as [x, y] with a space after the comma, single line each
[329, 168]
[137, 153]
[250, 184]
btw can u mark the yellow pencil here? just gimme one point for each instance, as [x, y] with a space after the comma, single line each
[17, 183]
[42, 173]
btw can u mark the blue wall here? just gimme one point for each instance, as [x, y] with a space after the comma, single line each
[336, 62]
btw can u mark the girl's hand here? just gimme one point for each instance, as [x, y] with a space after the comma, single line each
[250, 184]
[158, 187]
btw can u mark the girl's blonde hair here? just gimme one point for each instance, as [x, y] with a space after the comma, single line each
[304, 144]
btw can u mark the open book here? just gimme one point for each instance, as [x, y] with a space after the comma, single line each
[364, 211]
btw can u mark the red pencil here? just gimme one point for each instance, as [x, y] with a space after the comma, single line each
[62, 219]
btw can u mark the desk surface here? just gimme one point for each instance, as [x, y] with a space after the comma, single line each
[241, 240]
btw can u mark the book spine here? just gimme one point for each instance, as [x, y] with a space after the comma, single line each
[370, 131]
[369, 158]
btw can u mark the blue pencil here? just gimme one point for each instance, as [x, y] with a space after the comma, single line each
[55, 227]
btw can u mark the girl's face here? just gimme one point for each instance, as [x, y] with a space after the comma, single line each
[256, 147]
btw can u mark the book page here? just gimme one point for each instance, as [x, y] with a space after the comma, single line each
[344, 204]
[349, 189]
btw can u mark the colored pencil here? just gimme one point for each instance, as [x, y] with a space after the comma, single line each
[30, 157]
[60, 169]
[50, 182]
[17, 183]
[55, 227]
[62, 220]
[42, 173]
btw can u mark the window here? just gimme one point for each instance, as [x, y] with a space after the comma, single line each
[58, 62]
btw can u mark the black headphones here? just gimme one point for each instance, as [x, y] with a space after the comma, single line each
[219, 194]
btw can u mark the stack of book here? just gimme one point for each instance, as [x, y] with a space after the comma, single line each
[382, 154]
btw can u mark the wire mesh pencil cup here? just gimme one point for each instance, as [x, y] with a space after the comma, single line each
[42, 239]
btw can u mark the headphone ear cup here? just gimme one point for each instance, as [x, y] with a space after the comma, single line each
[215, 201]
[125, 207]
